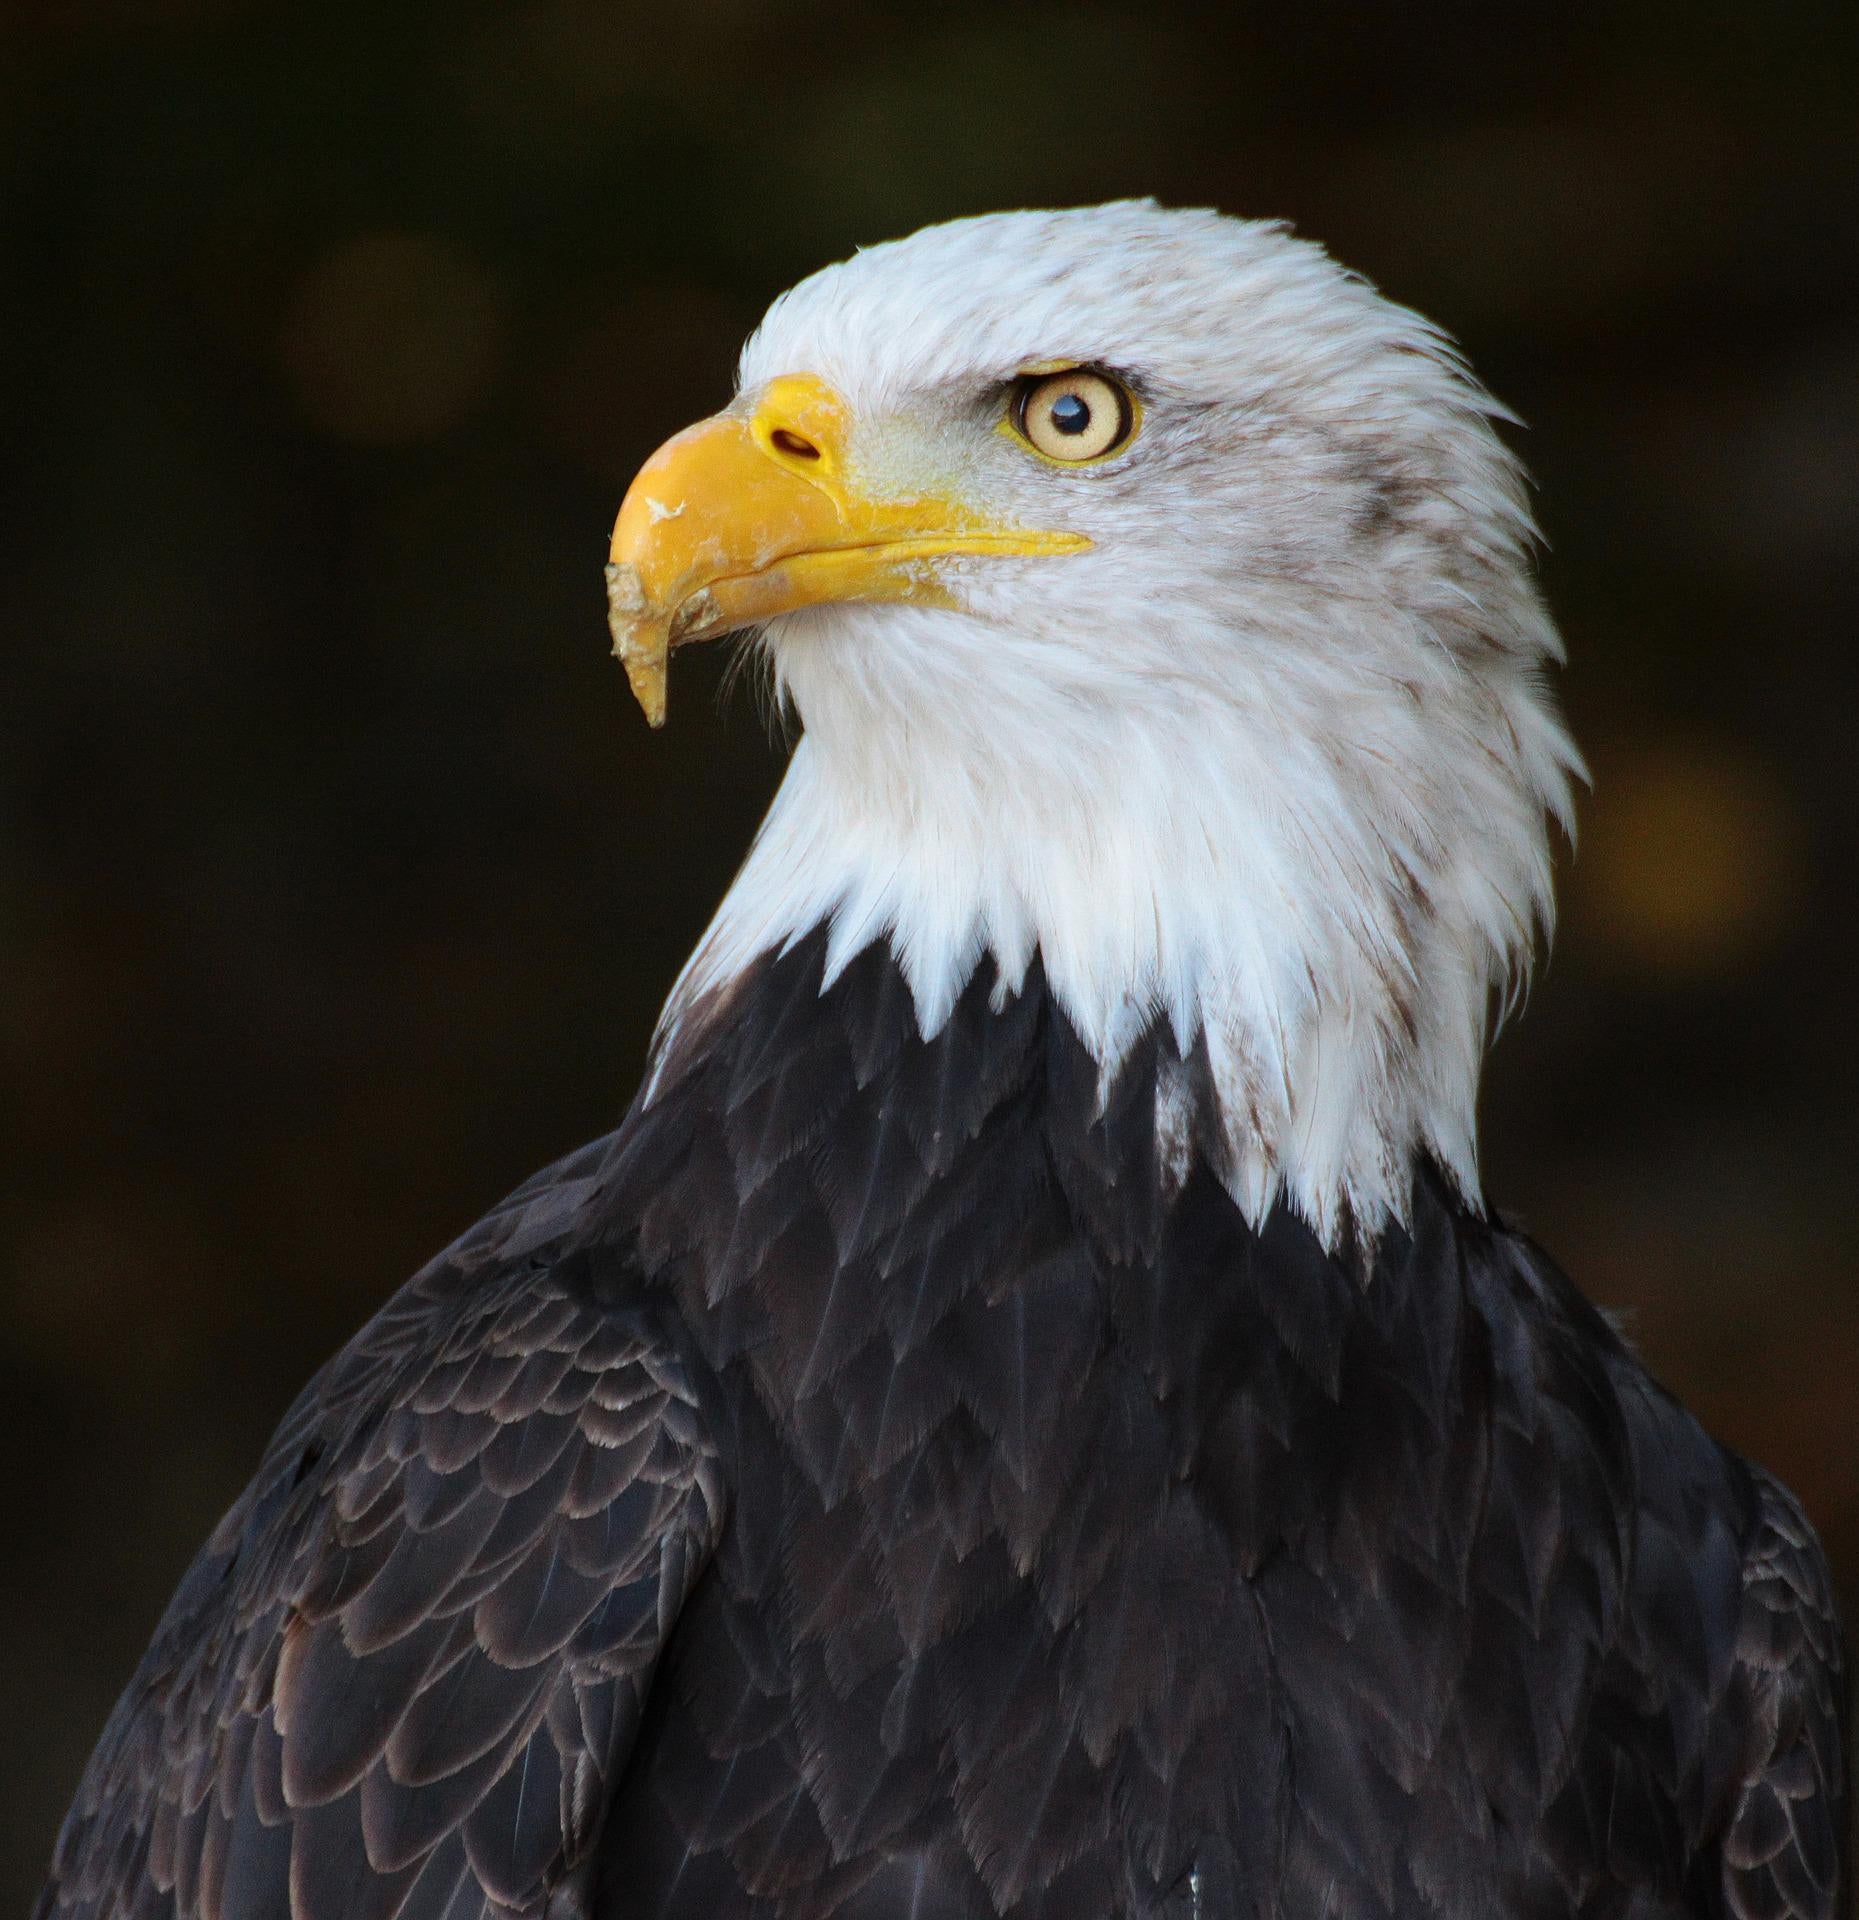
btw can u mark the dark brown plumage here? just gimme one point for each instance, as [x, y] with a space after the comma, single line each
[869, 1485]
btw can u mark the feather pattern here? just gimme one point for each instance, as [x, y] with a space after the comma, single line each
[1138, 1560]
[403, 1674]
[873, 1482]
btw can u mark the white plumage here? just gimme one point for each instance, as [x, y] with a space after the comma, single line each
[1276, 756]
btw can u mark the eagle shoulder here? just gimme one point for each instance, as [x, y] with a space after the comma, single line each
[407, 1667]
[1783, 1844]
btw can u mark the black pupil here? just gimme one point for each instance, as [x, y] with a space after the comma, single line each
[1070, 413]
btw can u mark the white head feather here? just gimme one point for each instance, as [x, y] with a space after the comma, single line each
[1273, 760]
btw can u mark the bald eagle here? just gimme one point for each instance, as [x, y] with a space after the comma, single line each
[1031, 1413]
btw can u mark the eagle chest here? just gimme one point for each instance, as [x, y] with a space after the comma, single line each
[1066, 1514]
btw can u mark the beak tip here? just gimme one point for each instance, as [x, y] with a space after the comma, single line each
[646, 675]
[641, 643]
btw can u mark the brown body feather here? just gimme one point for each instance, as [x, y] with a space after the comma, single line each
[869, 1484]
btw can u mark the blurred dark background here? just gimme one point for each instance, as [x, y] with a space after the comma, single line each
[340, 881]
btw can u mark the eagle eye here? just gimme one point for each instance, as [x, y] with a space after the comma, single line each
[1073, 415]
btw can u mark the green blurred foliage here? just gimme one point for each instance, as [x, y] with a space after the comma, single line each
[339, 881]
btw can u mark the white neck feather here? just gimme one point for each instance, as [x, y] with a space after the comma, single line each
[1273, 761]
[1332, 908]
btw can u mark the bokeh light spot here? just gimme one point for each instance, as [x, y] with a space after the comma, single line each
[393, 338]
[1693, 860]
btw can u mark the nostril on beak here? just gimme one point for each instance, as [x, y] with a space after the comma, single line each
[795, 444]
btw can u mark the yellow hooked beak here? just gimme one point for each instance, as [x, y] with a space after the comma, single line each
[752, 513]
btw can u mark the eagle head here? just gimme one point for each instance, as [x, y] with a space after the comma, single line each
[1155, 599]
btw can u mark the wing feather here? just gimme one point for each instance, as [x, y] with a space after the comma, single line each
[402, 1677]
[1783, 1849]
